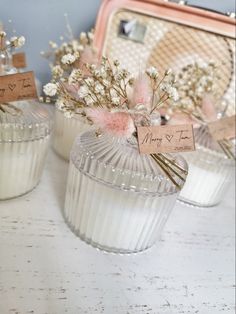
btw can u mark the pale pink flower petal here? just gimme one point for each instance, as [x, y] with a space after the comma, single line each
[116, 123]
[141, 91]
[208, 108]
[163, 111]
[87, 56]
[72, 89]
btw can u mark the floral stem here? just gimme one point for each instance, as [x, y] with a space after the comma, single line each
[159, 103]
[165, 170]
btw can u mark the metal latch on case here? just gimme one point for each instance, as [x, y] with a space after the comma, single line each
[231, 14]
[132, 30]
[183, 2]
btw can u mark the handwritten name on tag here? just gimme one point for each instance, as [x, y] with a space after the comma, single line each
[166, 139]
[223, 128]
[19, 60]
[18, 86]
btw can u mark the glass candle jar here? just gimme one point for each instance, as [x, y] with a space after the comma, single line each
[24, 140]
[65, 132]
[210, 172]
[116, 199]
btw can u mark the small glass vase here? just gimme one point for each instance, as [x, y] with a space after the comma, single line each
[210, 172]
[24, 141]
[65, 132]
[116, 199]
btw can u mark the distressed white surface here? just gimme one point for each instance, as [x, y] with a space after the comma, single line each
[45, 269]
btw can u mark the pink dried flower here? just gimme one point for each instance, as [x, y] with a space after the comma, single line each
[87, 56]
[141, 91]
[72, 89]
[208, 107]
[117, 123]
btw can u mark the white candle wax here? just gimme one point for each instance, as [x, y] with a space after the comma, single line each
[65, 132]
[208, 178]
[117, 199]
[114, 219]
[21, 165]
[24, 139]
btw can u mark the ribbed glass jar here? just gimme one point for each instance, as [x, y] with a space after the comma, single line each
[24, 141]
[210, 172]
[65, 132]
[116, 199]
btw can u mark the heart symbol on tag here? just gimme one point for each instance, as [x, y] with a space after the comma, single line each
[169, 137]
[12, 86]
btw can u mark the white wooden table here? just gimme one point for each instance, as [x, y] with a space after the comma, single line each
[46, 269]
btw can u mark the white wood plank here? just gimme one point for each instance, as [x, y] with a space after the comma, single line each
[46, 269]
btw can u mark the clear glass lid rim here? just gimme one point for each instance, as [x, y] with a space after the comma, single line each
[34, 115]
[208, 153]
[30, 126]
[142, 191]
[154, 177]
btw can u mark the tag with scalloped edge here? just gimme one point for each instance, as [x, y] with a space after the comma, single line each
[166, 139]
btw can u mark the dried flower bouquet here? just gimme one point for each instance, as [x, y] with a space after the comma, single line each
[111, 98]
[5, 61]
[198, 99]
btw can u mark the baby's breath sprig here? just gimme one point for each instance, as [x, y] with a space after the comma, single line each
[109, 86]
[162, 89]
[193, 82]
[67, 56]
[14, 42]
[197, 87]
